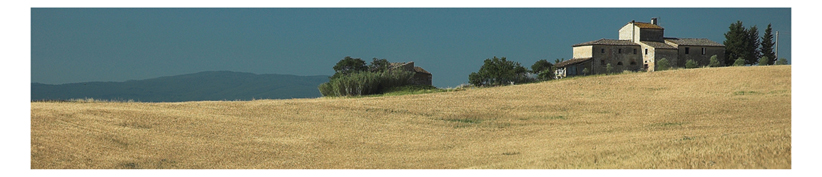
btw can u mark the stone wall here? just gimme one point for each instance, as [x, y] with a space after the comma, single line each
[576, 69]
[619, 56]
[651, 35]
[421, 77]
[696, 53]
[669, 54]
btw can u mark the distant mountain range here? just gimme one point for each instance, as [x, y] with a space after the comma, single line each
[209, 85]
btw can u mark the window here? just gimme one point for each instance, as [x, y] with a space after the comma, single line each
[620, 50]
[602, 62]
[633, 63]
[646, 51]
[703, 51]
[619, 63]
[602, 50]
[634, 51]
[687, 50]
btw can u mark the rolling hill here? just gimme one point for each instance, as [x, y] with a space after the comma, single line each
[706, 118]
[210, 85]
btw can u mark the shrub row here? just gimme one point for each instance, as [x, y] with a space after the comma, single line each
[365, 83]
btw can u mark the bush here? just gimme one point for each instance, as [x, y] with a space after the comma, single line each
[739, 62]
[691, 64]
[663, 65]
[365, 83]
[609, 68]
[586, 71]
[763, 61]
[781, 61]
[714, 62]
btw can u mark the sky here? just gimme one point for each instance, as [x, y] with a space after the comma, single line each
[70, 45]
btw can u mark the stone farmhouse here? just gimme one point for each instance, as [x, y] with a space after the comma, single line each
[639, 47]
[421, 76]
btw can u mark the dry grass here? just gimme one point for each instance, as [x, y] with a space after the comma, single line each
[734, 117]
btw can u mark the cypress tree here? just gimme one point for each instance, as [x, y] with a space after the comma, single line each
[767, 45]
[752, 48]
[742, 43]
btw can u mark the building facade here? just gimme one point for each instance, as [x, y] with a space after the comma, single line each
[639, 47]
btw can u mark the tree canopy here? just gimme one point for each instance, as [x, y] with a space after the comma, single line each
[379, 65]
[742, 43]
[348, 66]
[543, 69]
[499, 71]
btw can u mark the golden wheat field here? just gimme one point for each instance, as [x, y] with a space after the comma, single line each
[707, 118]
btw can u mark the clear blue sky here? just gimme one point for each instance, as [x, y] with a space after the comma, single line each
[71, 45]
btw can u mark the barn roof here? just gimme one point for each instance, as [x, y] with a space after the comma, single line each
[571, 62]
[643, 25]
[658, 45]
[606, 42]
[694, 42]
[420, 70]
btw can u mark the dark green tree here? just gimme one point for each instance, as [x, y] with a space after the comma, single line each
[349, 65]
[378, 65]
[540, 65]
[543, 69]
[498, 71]
[752, 48]
[742, 42]
[735, 42]
[767, 45]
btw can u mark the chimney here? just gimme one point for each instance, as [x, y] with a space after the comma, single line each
[653, 21]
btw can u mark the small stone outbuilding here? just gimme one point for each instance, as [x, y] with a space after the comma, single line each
[421, 76]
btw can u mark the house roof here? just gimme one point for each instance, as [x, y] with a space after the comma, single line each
[643, 25]
[420, 70]
[658, 45]
[693, 42]
[417, 69]
[571, 62]
[606, 42]
[398, 64]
